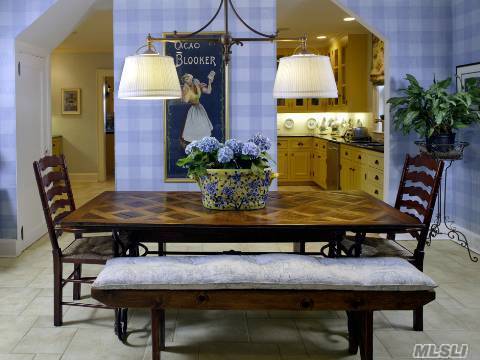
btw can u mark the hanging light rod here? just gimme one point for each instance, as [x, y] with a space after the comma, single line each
[151, 76]
[225, 39]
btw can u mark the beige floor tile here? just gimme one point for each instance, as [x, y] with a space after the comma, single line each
[227, 329]
[47, 357]
[12, 330]
[42, 305]
[16, 300]
[472, 338]
[16, 356]
[45, 341]
[240, 351]
[400, 343]
[103, 344]
[281, 331]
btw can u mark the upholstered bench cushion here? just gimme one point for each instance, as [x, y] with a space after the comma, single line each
[272, 271]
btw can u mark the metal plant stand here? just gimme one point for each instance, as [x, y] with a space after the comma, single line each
[449, 154]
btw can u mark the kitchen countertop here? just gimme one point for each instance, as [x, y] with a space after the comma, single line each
[339, 140]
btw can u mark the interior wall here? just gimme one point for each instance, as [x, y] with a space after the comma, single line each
[466, 173]
[79, 132]
[419, 35]
[139, 136]
[16, 16]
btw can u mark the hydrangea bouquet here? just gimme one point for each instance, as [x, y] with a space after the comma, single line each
[233, 175]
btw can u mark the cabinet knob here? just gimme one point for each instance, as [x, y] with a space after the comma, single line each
[346, 152]
[300, 144]
[286, 154]
[377, 162]
[376, 177]
[359, 157]
[278, 144]
[376, 192]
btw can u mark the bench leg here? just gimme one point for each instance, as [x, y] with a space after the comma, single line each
[158, 332]
[352, 332]
[418, 319]
[366, 333]
[77, 268]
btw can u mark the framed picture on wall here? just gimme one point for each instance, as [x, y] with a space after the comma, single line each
[203, 109]
[468, 79]
[71, 101]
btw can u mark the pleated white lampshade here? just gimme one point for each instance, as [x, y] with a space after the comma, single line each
[305, 76]
[149, 77]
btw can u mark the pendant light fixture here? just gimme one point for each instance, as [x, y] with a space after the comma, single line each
[305, 75]
[149, 75]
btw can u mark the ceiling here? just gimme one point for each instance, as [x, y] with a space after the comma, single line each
[294, 18]
[94, 33]
[314, 17]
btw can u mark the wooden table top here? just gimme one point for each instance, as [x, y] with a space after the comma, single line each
[323, 210]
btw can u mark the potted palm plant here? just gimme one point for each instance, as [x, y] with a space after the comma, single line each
[433, 113]
[231, 176]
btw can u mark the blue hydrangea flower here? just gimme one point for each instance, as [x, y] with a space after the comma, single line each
[208, 144]
[250, 149]
[228, 191]
[211, 188]
[237, 178]
[190, 147]
[225, 155]
[263, 142]
[235, 145]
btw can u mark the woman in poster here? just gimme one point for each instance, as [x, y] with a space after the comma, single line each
[197, 123]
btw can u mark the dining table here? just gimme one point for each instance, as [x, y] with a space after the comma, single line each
[298, 218]
[164, 217]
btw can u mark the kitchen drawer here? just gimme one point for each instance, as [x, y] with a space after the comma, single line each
[347, 152]
[374, 177]
[282, 143]
[375, 191]
[300, 143]
[320, 145]
[375, 160]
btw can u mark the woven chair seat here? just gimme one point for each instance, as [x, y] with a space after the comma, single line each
[379, 247]
[95, 247]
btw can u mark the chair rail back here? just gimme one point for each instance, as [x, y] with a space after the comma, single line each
[55, 192]
[418, 190]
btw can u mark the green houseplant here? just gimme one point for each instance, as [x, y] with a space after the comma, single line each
[231, 176]
[433, 113]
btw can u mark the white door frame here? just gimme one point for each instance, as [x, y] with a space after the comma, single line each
[101, 157]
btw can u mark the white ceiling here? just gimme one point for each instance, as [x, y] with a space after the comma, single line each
[314, 17]
[94, 33]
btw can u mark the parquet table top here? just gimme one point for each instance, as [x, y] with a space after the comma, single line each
[326, 210]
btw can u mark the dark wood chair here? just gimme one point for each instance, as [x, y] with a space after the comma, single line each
[416, 196]
[57, 201]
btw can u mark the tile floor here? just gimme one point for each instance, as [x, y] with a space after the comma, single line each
[27, 332]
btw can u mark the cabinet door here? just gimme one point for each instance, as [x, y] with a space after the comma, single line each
[284, 105]
[345, 174]
[356, 176]
[282, 164]
[322, 171]
[299, 165]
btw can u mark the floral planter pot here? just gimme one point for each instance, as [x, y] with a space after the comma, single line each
[233, 189]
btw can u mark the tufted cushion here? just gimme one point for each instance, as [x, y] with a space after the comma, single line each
[271, 271]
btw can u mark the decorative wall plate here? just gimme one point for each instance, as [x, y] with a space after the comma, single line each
[312, 123]
[289, 123]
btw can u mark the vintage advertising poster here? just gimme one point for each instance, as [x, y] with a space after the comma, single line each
[202, 110]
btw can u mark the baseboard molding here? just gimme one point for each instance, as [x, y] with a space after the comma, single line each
[8, 247]
[84, 177]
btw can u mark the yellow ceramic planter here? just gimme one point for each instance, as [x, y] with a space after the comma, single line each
[235, 189]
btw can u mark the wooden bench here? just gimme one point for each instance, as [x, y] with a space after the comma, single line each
[265, 282]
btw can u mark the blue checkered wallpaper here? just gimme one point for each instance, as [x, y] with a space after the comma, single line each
[15, 16]
[139, 125]
[466, 173]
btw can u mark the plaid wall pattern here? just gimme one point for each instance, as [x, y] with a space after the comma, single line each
[15, 16]
[139, 125]
[466, 174]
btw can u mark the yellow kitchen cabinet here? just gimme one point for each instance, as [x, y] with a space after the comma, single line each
[316, 105]
[319, 165]
[57, 145]
[282, 164]
[299, 165]
[349, 58]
